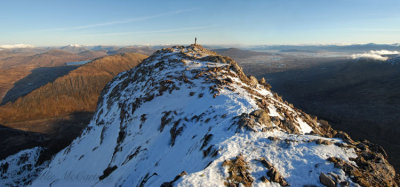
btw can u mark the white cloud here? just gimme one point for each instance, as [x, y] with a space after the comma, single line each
[369, 55]
[13, 46]
[377, 55]
[386, 52]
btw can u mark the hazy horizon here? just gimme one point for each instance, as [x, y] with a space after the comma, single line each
[243, 46]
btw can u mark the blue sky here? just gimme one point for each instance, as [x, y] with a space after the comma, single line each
[252, 22]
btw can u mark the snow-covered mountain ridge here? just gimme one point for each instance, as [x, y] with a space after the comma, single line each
[187, 116]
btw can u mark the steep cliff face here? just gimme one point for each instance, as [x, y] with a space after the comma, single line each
[189, 117]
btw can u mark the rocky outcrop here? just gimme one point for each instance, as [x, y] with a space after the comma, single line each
[238, 170]
[273, 173]
[371, 167]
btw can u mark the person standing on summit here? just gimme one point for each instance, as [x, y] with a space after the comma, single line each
[195, 40]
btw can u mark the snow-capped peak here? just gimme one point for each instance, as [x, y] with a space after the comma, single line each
[75, 45]
[187, 116]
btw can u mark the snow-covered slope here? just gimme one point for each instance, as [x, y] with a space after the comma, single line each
[19, 169]
[189, 117]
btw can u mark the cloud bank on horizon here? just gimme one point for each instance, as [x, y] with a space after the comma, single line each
[14, 46]
[376, 55]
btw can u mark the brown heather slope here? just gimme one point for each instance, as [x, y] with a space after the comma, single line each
[75, 92]
[56, 113]
[17, 66]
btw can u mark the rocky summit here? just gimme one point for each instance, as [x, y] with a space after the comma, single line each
[187, 116]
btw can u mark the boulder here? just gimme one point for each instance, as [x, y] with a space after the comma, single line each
[262, 117]
[326, 180]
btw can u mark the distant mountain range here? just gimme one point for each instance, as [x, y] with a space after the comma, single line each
[109, 50]
[239, 53]
[306, 47]
[338, 48]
